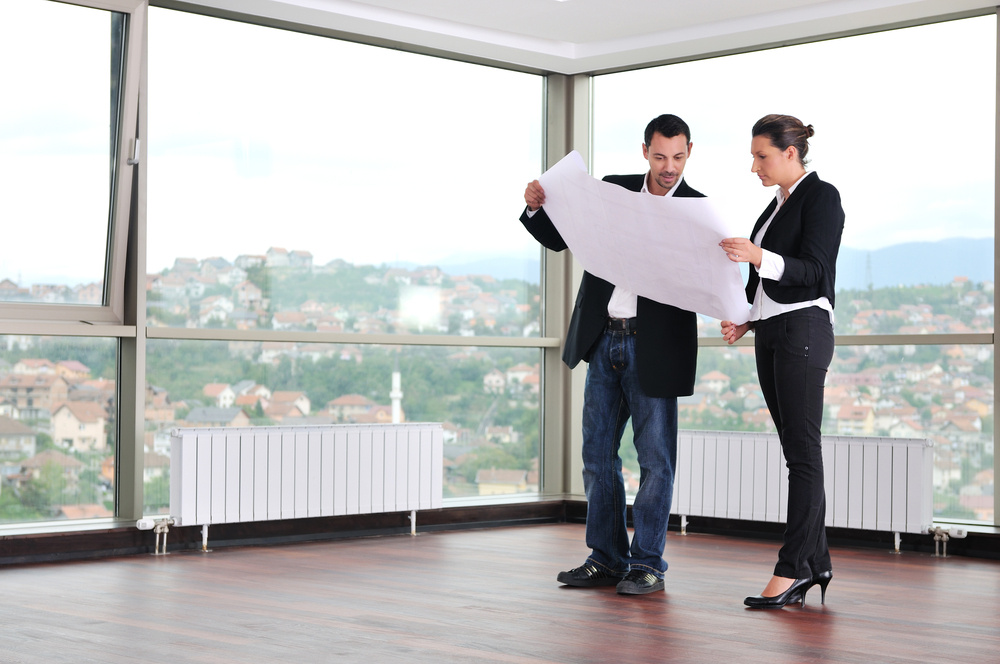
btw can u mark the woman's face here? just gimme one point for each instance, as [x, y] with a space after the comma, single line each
[774, 166]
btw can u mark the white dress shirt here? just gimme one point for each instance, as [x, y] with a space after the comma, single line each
[772, 266]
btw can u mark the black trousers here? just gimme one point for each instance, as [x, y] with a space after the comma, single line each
[793, 353]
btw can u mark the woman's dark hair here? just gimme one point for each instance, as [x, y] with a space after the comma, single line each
[785, 130]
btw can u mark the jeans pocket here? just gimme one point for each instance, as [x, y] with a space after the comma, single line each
[796, 332]
[810, 338]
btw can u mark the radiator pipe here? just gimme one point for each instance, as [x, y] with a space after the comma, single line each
[413, 523]
[204, 539]
[161, 529]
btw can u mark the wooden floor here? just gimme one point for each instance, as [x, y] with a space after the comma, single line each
[491, 596]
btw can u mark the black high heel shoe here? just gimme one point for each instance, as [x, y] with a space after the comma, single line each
[795, 593]
[822, 580]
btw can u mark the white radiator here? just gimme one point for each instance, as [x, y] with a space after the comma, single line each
[871, 483]
[234, 474]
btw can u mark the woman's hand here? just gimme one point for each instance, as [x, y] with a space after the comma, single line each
[733, 333]
[742, 250]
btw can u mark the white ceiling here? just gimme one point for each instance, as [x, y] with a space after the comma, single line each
[581, 36]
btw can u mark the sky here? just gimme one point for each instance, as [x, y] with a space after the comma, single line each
[261, 138]
[904, 124]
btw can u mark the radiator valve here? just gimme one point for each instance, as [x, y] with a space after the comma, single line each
[160, 527]
[941, 537]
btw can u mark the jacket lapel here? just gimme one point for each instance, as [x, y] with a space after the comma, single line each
[789, 203]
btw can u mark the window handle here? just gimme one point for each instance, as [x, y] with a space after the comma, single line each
[134, 159]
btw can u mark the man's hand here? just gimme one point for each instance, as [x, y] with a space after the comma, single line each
[534, 195]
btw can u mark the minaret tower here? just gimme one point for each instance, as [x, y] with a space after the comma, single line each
[396, 394]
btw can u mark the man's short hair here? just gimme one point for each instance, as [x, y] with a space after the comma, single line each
[669, 126]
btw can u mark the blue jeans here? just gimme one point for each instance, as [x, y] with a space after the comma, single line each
[612, 395]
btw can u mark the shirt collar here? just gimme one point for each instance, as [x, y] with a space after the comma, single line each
[791, 190]
[645, 185]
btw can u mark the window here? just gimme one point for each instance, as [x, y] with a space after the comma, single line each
[310, 197]
[63, 163]
[57, 447]
[487, 400]
[906, 134]
[302, 183]
[68, 123]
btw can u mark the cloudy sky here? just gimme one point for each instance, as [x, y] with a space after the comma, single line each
[261, 138]
[904, 126]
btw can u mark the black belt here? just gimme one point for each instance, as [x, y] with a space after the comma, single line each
[626, 325]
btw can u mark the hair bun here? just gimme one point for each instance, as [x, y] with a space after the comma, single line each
[810, 131]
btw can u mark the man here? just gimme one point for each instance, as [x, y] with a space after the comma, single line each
[642, 355]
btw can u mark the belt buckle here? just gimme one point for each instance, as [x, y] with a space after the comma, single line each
[621, 325]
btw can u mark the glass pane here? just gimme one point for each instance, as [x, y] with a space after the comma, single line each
[487, 400]
[917, 251]
[941, 393]
[304, 183]
[58, 131]
[57, 427]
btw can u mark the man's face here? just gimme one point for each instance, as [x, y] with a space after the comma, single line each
[666, 157]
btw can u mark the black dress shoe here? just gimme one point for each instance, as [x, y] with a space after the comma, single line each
[822, 580]
[588, 575]
[795, 593]
[638, 582]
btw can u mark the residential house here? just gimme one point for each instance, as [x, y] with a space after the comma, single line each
[248, 261]
[494, 382]
[214, 309]
[92, 293]
[300, 259]
[496, 481]
[377, 415]
[185, 265]
[348, 406]
[220, 394]
[34, 367]
[716, 381]
[856, 421]
[72, 370]
[17, 440]
[34, 395]
[277, 257]
[159, 408]
[67, 467]
[216, 417]
[248, 295]
[297, 399]
[80, 426]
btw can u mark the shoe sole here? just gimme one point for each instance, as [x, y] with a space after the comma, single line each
[588, 583]
[634, 590]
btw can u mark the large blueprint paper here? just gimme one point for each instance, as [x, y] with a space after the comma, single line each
[660, 247]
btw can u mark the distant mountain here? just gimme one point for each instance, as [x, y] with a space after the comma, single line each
[503, 267]
[908, 264]
[916, 263]
[499, 268]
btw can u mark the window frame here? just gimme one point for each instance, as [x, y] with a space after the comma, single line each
[127, 155]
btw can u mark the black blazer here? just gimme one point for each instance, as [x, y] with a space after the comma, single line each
[806, 233]
[666, 344]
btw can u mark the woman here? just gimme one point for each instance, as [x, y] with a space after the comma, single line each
[793, 254]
